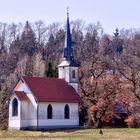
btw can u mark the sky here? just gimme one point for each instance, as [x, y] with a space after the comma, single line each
[111, 14]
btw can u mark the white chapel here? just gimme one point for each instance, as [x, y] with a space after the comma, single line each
[47, 103]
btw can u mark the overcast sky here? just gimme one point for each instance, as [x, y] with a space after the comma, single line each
[110, 13]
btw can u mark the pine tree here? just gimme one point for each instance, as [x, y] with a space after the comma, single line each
[50, 71]
[117, 42]
[28, 40]
[4, 104]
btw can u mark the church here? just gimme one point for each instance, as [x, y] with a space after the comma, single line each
[48, 103]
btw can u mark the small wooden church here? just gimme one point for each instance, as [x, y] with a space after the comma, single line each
[46, 103]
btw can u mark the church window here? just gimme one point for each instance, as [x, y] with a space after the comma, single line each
[49, 112]
[67, 112]
[73, 74]
[15, 107]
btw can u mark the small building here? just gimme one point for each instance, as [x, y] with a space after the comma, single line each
[46, 103]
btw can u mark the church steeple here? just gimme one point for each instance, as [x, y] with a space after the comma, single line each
[68, 68]
[68, 51]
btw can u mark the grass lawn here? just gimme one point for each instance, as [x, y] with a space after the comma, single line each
[87, 134]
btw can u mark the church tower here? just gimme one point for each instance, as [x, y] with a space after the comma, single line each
[68, 68]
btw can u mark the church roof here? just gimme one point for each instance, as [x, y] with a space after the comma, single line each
[21, 95]
[51, 89]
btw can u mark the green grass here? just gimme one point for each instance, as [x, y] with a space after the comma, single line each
[87, 134]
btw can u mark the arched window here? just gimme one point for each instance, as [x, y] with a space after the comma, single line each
[67, 112]
[49, 112]
[73, 74]
[15, 107]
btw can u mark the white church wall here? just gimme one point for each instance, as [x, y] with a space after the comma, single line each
[30, 111]
[24, 110]
[28, 115]
[67, 74]
[32, 100]
[61, 73]
[74, 81]
[24, 114]
[58, 123]
[58, 115]
[14, 121]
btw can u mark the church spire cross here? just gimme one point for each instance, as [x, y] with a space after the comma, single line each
[67, 11]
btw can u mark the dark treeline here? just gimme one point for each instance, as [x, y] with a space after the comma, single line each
[109, 72]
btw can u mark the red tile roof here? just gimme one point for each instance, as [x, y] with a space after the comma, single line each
[21, 95]
[51, 90]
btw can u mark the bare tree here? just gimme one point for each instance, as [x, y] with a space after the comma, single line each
[41, 32]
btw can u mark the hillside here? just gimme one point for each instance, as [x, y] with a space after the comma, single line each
[109, 72]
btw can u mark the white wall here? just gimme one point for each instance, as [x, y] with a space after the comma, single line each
[30, 121]
[61, 73]
[25, 114]
[28, 117]
[14, 121]
[66, 73]
[32, 107]
[58, 115]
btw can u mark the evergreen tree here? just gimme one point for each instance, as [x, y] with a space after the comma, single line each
[4, 104]
[117, 42]
[14, 47]
[28, 40]
[50, 71]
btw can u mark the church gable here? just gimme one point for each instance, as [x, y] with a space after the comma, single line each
[22, 86]
[22, 91]
[18, 85]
